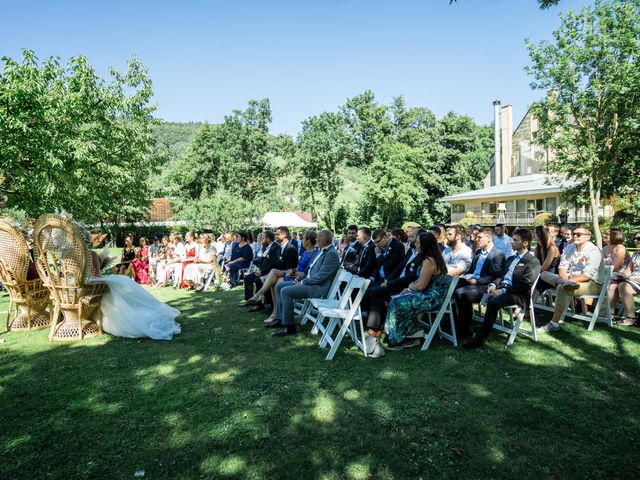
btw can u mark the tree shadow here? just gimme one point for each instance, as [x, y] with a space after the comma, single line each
[226, 400]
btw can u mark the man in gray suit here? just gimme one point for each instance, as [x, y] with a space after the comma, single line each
[314, 283]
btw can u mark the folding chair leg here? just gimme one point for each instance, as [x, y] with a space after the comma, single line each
[435, 326]
[515, 327]
[338, 340]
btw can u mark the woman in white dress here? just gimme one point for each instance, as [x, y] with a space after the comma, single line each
[129, 310]
[203, 264]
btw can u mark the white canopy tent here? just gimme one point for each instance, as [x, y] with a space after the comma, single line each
[287, 219]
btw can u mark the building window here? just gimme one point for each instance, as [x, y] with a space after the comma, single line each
[458, 208]
[552, 204]
[521, 206]
[540, 205]
[489, 207]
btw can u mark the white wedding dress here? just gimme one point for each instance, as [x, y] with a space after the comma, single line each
[128, 310]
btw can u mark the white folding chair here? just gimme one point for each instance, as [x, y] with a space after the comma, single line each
[515, 321]
[343, 315]
[433, 326]
[601, 297]
[309, 309]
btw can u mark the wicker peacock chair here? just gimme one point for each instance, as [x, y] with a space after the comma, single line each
[64, 262]
[30, 298]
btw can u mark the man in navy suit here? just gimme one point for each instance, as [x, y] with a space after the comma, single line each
[485, 267]
[366, 263]
[513, 285]
[352, 250]
[391, 253]
[314, 283]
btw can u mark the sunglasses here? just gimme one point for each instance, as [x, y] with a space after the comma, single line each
[579, 234]
[637, 239]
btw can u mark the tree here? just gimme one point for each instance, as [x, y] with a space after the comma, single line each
[71, 141]
[590, 117]
[368, 125]
[544, 4]
[221, 211]
[393, 185]
[234, 155]
[322, 149]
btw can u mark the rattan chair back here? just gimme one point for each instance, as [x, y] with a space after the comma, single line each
[28, 299]
[64, 262]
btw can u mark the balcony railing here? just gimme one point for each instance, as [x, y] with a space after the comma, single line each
[514, 218]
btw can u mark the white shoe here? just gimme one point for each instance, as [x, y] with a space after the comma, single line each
[548, 328]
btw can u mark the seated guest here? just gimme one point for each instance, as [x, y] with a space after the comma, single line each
[191, 250]
[438, 234]
[580, 272]
[553, 230]
[258, 250]
[288, 257]
[269, 260]
[471, 240]
[512, 287]
[241, 257]
[502, 241]
[457, 255]
[423, 295]
[164, 254]
[313, 283]
[224, 254]
[301, 248]
[391, 254]
[128, 255]
[485, 268]
[140, 264]
[351, 252]
[377, 297]
[400, 235]
[566, 232]
[617, 257]
[630, 286]
[294, 240]
[366, 263]
[547, 254]
[277, 275]
[202, 265]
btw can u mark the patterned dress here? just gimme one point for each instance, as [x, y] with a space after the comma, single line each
[402, 317]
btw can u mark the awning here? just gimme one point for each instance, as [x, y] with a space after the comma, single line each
[285, 219]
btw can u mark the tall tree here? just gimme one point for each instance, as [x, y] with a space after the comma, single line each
[590, 115]
[322, 149]
[368, 125]
[69, 140]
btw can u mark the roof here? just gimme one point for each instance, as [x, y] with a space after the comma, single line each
[288, 219]
[517, 186]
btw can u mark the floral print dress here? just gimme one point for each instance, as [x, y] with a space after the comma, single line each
[402, 317]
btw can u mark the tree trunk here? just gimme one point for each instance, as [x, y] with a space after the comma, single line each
[594, 201]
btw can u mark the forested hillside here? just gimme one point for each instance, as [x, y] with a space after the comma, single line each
[366, 162]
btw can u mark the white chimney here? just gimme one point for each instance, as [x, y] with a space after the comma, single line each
[496, 126]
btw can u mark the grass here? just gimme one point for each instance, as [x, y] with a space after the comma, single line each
[226, 400]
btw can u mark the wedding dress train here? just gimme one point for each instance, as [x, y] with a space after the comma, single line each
[128, 310]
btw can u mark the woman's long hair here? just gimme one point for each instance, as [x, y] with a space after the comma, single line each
[429, 248]
[542, 249]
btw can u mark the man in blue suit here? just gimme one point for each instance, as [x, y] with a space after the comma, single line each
[314, 283]
[485, 268]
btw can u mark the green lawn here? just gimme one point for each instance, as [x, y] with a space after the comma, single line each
[226, 400]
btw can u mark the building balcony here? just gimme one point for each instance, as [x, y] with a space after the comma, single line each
[518, 218]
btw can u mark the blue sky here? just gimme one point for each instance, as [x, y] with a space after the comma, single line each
[208, 57]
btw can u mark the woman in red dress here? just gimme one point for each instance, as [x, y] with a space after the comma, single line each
[192, 249]
[141, 263]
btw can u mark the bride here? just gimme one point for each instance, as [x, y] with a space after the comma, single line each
[129, 310]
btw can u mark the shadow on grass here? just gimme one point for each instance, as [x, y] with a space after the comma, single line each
[226, 400]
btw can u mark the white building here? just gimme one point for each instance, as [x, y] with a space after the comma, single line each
[516, 188]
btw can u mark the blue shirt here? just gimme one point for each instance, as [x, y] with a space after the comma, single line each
[508, 278]
[481, 259]
[503, 244]
[306, 259]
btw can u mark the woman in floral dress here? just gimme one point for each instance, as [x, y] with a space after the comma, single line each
[426, 294]
[141, 263]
